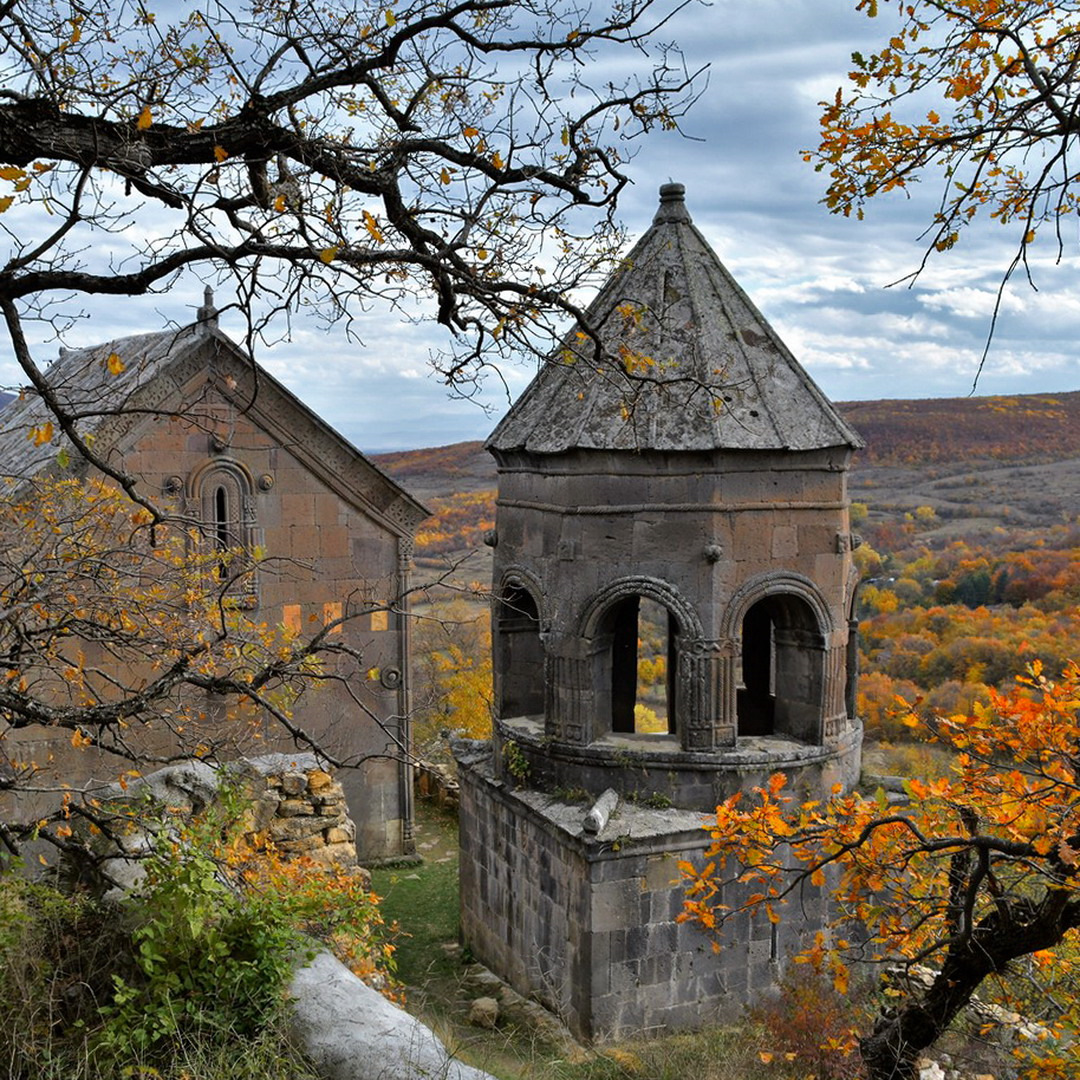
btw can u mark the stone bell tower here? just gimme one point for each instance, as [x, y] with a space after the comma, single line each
[671, 473]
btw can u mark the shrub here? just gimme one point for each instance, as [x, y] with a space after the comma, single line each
[188, 968]
[812, 1024]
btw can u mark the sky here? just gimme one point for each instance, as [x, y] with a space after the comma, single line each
[822, 281]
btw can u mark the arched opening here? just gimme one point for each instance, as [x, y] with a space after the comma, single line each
[644, 653]
[221, 526]
[519, 654]
[225, 502]
[780, 684]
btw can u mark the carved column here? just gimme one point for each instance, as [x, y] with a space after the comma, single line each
[404, 582]
[571, 677]
[836, 664]
[706, 689]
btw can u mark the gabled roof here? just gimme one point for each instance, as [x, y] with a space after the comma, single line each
[115, 387]
[689, 364]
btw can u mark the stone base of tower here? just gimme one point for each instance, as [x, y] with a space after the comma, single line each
[586, 924]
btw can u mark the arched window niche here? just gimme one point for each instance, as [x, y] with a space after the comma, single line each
[636, 629]
[781, 670]
[223, 499]
[519, 652]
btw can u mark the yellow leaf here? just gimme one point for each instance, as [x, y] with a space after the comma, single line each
[6, 202]
[220, 153]
[146, 118]
[10, 172]
[444, 176]
[471, 132]
[328, 255]
[481, 254]
[497, 160]
[765, 1056]
[279, 204]
[373, 228]
[42, 434]
[391, 19]
[114, 364]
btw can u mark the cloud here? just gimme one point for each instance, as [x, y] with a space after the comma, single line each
[820, 279]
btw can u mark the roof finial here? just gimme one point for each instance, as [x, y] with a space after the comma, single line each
[207, 315]
[672, 204]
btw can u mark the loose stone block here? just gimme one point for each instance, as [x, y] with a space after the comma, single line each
[293, 783]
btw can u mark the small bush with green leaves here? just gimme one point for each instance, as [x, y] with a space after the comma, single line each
[199, 955]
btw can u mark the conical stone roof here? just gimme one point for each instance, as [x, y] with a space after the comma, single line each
[688, 364]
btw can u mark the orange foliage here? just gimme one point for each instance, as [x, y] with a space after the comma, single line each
[982, 867]
[457, 522]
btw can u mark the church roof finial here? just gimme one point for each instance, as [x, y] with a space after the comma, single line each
[207, 315]
[672, 204]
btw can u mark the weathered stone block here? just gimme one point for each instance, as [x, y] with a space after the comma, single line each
[293, 783]
[318, 781]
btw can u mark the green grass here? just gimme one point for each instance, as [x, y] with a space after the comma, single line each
[423, 902]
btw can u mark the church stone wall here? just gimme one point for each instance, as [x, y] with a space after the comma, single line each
[330, 555]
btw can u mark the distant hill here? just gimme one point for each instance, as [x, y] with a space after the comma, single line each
[981, 463]
[1026, 427]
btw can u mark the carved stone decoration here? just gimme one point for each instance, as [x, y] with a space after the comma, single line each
[218, 443]
[491, 538]
[173, 485]
[714, 552]
[405, 551]
[266, 482]
[390, 678]
[705, 677]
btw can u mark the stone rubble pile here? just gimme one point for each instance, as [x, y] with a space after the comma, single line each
[301, 808]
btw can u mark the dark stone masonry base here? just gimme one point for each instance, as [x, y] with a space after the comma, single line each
[586, 924]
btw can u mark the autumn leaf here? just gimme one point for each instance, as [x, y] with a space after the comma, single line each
[328, 255]
[391, 18]
[41, 434]
[114, 364]
[373, 228]
[220, 154]
[5, 202]
[145, 119]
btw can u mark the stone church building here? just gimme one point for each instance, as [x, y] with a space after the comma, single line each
[672, 464]
[204, 428]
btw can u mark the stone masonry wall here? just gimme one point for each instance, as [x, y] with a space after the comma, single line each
[301, 807]
[589, 925]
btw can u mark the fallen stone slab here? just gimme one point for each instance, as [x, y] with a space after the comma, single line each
[352, 1032]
